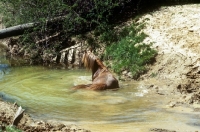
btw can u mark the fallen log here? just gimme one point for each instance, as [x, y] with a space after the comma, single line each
[16, 30]
[20, 29]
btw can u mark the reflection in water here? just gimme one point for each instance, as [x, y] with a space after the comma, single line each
[6, 97]
[4, 67]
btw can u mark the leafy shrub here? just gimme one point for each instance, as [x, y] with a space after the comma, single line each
[129, 52]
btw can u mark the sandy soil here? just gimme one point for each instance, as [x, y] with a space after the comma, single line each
[175, 31]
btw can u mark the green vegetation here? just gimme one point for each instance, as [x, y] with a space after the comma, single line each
[10, 129]
[57, 21]
[127, 50]
[68, 16]
[153, 75]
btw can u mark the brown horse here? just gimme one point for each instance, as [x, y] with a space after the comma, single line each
[102, 79]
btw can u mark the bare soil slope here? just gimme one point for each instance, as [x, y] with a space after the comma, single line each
[175, 31]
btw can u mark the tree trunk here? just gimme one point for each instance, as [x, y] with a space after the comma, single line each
[16, 30]
[19, 29]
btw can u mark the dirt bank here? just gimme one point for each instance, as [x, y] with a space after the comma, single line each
[175, 31]
[26, 123]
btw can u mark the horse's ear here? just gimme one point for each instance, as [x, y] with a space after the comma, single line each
[90, 49]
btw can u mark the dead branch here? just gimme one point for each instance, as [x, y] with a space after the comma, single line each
[48, 38]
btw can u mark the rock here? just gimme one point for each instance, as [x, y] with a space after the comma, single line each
[171, 104]
[125, 72]
[129, 74]
[59, 127]
[40, 123]
[160, 130]
[160, 93]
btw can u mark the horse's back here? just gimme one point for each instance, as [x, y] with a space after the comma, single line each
[108, 79]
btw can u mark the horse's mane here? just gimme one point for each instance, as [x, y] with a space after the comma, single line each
[100, 63]
[89, 60]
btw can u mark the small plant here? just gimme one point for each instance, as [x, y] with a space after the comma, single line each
[12, 129]
[153, 75]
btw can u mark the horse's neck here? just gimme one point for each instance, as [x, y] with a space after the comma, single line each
[96, 73]
[100, 64]
[95, 70]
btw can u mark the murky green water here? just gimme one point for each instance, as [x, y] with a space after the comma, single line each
[46, 93]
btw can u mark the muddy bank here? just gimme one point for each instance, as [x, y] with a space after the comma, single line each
[26, 123]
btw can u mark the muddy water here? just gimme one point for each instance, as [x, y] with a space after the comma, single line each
[46, 94]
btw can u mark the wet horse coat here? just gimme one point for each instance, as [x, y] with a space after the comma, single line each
[102, 79]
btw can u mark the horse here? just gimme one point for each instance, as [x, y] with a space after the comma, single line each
[102, 78]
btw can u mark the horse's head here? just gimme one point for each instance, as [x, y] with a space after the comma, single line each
[88, 59]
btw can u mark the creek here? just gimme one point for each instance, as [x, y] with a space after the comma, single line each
[46, 94]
